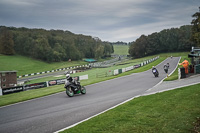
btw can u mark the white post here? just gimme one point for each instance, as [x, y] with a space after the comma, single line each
[47, 82]
[179, 73]
[1, 91]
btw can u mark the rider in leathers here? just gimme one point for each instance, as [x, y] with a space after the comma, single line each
[71, 80]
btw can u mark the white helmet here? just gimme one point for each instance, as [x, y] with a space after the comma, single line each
[67, 76]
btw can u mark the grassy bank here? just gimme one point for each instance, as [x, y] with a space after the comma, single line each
[121, 49]
[24, 65]
[175, 111]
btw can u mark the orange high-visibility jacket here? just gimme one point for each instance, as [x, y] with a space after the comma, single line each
[185, 63]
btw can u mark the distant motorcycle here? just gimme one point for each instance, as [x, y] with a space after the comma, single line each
[165, 68]
[72, 89]
[155, 72]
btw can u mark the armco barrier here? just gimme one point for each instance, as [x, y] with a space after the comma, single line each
[118, 71]
[35, 86]
[68, 68]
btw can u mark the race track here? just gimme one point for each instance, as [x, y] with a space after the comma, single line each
[52, 113]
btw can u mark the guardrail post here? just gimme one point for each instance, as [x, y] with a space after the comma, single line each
[47, 82]
[1, 91]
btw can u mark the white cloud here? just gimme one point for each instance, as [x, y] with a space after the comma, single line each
[110, 20]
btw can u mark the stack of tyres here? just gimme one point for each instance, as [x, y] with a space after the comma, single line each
[183, 75]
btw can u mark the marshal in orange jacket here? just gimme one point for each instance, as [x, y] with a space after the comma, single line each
[185, 64]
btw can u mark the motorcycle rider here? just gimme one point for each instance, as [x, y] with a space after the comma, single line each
[71, 80]
[155, 71]
[166, 67]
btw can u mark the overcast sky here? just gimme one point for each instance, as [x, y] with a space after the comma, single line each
[110, 20]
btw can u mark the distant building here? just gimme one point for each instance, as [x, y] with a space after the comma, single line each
[8, 79]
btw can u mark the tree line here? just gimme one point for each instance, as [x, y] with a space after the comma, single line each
[51, 45]
[168, 40]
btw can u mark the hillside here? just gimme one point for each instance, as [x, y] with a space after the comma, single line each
[121, 49]
[26, 65]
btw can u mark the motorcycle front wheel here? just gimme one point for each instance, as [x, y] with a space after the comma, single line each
[69, 91]
[83, 90]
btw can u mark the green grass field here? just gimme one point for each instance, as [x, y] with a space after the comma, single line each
[24, 65]
[176, 111]
[121, 49]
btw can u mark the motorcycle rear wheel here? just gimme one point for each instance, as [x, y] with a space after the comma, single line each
[69, 91]
[83, 90]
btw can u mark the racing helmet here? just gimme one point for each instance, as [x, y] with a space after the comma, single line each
[67, 76]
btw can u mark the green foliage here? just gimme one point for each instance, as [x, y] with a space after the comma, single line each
[53, 45]
[196, 28]
[170, 40]
[6, 42]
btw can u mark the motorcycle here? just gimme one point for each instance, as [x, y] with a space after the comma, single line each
[166, 67]
[72, 89]
[155, 72]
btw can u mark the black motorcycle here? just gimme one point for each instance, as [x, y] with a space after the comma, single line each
[72, 89]
[155, 72]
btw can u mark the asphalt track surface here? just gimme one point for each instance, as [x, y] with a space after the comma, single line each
[58, 111]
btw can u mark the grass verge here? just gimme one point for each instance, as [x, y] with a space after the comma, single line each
[175, 111]
[25, 65]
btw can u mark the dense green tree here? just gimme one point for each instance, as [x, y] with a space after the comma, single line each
[138, 49]
[42, 50]
[54, 45]
[196, 28]
[168, 40]
[6, 42]
[108, 49]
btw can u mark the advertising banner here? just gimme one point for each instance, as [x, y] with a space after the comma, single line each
[12, 90]
[137, 66]
[116, 72]
[35, 86]
[60, 81]
[52, 82]
[56, 82]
